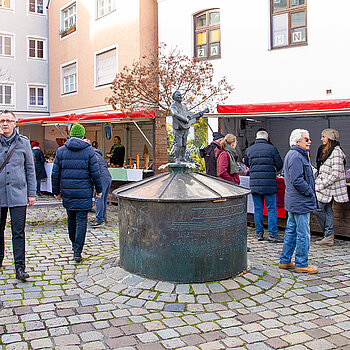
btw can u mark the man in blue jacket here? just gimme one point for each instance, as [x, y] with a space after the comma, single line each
[74, 172]
[300, 201]
[264, 161]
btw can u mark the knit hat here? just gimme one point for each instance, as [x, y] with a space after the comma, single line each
[217, 136]
[332, 134]
[35, 143]
[77, 130]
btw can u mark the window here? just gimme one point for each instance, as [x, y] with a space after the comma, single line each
[6, 45]
[6, 94]
[36, 48]
[288, 24]
[36, 6]
[36, 95]
[106, 67]
[69, 78]
[68, 20]
[7, 4]
[207, 34]
[104, 7]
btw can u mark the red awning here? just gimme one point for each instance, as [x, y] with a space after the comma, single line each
[87, 118]
[300, 107]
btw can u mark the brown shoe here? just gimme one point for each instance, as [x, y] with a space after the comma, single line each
[329, 241]
[307, 269]
[289, 266]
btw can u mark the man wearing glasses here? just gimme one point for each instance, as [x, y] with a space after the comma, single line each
[300, 201]
[17, 188]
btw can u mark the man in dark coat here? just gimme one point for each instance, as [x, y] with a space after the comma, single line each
[39, 165]
[74, 172]
[300, 201]
[106, 179]
[264, 161]
[117, 153]
[17, 188]
[208, 153]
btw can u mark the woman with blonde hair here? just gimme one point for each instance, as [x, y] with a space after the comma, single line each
[330, 184]
[226, 156]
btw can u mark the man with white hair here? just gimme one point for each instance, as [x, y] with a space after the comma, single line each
[264, 161]
[300, 201]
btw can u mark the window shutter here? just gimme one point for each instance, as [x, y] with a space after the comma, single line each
[106, 67]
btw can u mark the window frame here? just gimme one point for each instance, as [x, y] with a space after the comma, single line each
[62, 67]
[36, 8]
[11, 8]
[73, 27]
[114, 7]
[99, 52]
[12, 36]
[36, 38]
[207, 28]
[13, 101]
[37, 86]
[288, 10]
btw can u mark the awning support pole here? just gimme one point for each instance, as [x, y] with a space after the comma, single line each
[142, 133]
[63, 133]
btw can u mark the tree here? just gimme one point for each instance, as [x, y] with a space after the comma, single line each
[149, 83]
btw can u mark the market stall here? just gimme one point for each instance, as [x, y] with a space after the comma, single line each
[135, 130]
[279, 119]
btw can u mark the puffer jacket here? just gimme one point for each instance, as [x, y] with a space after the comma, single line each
[17, 179]
[263, 161]
[330, 182]
[208, 153]
[74, 172]
[300, 195]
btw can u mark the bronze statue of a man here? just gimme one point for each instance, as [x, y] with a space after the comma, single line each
[182, 120]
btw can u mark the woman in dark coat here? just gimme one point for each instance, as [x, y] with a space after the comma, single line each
[39, 165]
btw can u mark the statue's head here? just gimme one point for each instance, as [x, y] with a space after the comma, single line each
[177, 96]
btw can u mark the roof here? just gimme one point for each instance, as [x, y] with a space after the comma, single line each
[88, 118]
[315, 107]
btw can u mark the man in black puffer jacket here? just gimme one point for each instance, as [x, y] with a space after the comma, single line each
[74, 172]
[264, 161]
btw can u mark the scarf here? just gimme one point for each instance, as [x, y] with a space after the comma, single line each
[321, 158]
[232, 154]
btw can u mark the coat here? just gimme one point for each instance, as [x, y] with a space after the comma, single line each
[208, 153]
[17, 179]
[223, 166]
[39, 161]
[263, 161]
[104, 172]
[330, 182]
[74, 172]
[299, 195]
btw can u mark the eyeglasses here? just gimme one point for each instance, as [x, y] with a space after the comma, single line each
[307, 139]
[3, 121]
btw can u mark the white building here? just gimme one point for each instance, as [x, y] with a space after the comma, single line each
[24, 57]
[272, 51]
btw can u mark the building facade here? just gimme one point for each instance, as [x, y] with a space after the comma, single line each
[272, 51]
[24, 74]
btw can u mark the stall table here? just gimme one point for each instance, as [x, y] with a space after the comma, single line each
[120, 176]
[341, 211]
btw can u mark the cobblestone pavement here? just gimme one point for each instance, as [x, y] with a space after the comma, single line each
[97, 305]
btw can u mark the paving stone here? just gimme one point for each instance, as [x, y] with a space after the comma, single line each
[200, 288]
[148, 337]
[167, 333]
[174, 307]
[165, 287]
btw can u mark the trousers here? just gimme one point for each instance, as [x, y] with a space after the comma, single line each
[18, 221]
[77, 225]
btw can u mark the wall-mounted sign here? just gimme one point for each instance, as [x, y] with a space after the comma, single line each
[108, 132]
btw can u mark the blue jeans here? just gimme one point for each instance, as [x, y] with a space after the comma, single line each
[101, 203]
[325, 217]
[77, 225]
[271, 206]
[296, 237]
